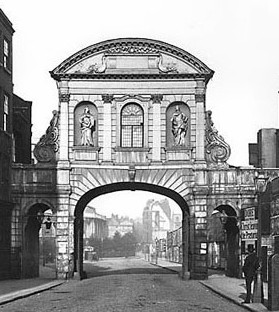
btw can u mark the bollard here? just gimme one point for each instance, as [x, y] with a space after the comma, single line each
[273, 283]
[258, 296]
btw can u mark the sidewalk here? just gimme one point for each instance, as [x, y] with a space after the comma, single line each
[11, 290]
[230, 288]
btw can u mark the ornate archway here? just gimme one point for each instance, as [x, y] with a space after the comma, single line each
[109, 188]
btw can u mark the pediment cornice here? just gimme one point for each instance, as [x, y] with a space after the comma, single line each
[131, 47]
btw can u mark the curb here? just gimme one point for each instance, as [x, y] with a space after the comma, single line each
[28, 292]
[254, 307]
[164, 267]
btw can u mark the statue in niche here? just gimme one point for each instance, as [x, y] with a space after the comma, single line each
[87, 126]
[179, 127]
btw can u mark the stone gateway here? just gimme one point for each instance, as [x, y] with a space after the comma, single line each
[132, 116]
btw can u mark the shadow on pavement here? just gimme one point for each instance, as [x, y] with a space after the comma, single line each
[95, 270]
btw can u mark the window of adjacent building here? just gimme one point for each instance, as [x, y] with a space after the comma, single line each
[6, 54]
[6, 112]
[132, 126]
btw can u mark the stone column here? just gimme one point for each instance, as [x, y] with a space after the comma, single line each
[156, 146]
[107, 99]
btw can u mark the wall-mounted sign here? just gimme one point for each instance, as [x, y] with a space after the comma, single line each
[249, 230]
[249, 213]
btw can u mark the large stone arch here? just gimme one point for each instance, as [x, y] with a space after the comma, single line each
[109, 188]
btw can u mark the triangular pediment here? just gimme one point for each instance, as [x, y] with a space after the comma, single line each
[131, 57]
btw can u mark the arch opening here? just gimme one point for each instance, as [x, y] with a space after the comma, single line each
[38, 242]
[227, 249]
[126, 186]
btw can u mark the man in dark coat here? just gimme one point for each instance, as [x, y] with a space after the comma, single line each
[251, 264]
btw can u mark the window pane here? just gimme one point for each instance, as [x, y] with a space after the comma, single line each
[6, 104]
[5, 122]
[132, 126]
[137, 136]
[126, 136]
[6, 48]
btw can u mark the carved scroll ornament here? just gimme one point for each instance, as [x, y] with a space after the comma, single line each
[217, 150]
[169, 67]
[46, 148]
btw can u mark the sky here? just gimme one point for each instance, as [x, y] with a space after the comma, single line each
[238, 39]
[128, 203]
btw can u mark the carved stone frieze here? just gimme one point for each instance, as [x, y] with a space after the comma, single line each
[217, 150]
[107, 98]
[94, 68]
[131, 48]
[46, 148]
[64, 97]
[157, 98]
[200, 97]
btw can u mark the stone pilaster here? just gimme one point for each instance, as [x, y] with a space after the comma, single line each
[107, 99]
[64, 98]
[156, 146]
[198, 228]
[200, 130]
[62, 238]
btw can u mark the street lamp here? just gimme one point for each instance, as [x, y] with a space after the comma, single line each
[260, 186]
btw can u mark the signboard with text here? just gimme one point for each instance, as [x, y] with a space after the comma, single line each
[249, 229]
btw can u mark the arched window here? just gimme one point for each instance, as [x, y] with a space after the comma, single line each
[132, 126]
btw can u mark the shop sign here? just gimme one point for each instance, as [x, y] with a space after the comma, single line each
[249, 230]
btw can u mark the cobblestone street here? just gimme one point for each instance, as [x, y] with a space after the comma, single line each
[118, 285]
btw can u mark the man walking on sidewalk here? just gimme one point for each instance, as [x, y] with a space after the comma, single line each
[251, 264]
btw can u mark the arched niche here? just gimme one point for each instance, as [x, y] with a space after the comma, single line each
[178, 125]
[83, 110]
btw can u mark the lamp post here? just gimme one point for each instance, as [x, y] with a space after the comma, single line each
[260, 186]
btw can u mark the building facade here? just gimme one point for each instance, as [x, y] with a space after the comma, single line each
[6, 142]
[95, 225]
[264, 153]
[15, 142]
[22, 130]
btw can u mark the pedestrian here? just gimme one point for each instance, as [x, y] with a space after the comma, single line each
[251, 264]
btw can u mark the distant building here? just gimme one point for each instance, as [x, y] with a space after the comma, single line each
[265, 153]
[95, 225]
[176, 221]
[122, 225]
[158, 219]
